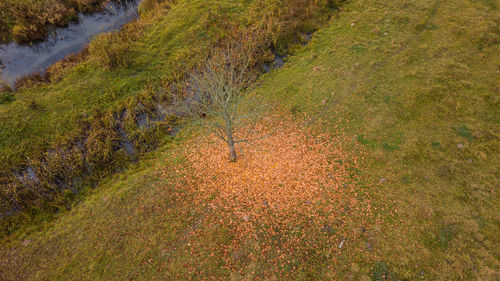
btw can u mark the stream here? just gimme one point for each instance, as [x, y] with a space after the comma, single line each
[19, 60]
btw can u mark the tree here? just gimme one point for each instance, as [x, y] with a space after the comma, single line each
[220, 96]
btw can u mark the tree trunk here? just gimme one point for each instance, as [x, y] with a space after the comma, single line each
[232, 150]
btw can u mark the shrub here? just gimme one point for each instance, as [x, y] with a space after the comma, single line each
[283, 22]
[111, 50]
[22, 32]
[57, 71]
[30, 80]
[6, 97]
[4, 23]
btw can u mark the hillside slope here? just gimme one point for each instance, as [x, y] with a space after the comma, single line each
[417, 84]
[97, 111]
[407, 93]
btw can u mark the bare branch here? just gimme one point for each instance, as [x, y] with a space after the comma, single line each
[219, 94]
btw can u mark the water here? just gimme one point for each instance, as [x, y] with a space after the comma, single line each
[277, 63]
[19, 60]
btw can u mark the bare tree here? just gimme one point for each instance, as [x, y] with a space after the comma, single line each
[220, 95]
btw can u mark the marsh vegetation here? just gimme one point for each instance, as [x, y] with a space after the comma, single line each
[26, 21]
[22, 62]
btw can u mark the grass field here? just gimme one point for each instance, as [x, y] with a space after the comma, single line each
[417, 84]
[407, 94]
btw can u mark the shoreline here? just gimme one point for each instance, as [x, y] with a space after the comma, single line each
[21, 62]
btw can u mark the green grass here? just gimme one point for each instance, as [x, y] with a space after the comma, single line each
[415, 82]
[422, 101]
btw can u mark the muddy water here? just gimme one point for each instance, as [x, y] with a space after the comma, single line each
[19, 60]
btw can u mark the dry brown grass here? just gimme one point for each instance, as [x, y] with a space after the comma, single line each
[29, 20]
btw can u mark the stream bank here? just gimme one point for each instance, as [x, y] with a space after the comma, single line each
[17, 60]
